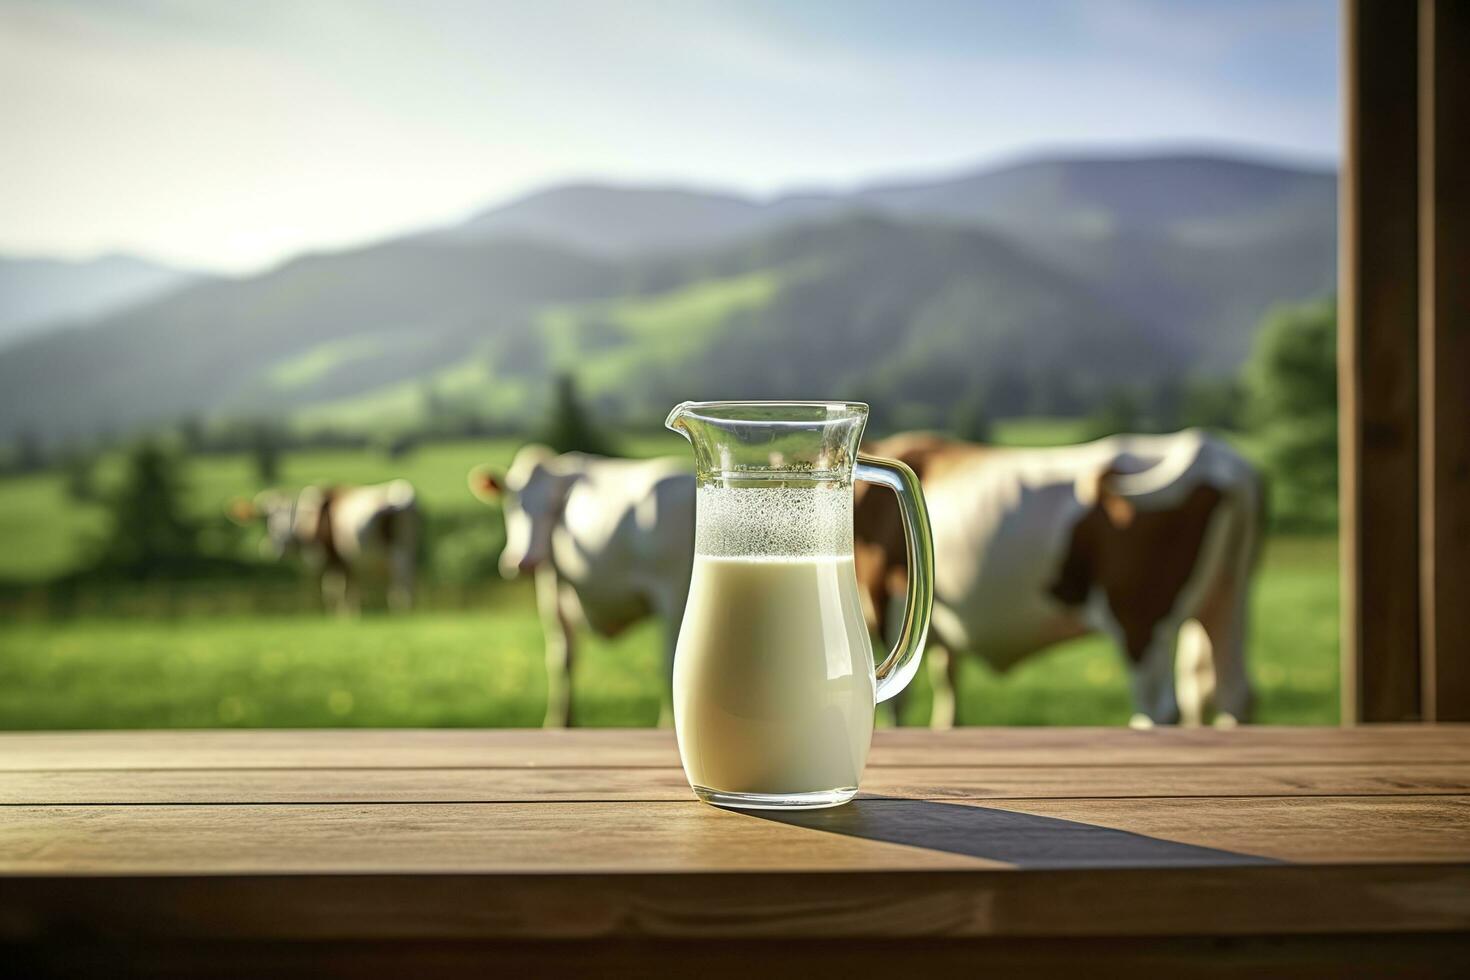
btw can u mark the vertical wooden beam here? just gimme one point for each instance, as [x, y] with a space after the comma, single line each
[1444, 357]
[1378, 363]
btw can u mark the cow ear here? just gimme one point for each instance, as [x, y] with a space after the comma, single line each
[485, 485]
[241, 511]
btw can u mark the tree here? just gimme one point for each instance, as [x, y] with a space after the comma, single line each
[149, 530]
[1291, 405]
[568, 427]
[265, 452]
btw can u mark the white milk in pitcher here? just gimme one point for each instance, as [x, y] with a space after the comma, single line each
[773, 677]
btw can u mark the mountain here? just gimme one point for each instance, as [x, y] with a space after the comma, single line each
[1193, 198]
[1196, 245]
[908, 316]
[1031, 288]
[37, 292]
[609, 220]
[1187, 197]
[316, 328]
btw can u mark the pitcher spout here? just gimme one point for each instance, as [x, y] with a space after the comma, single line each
[678, 419]
[770, 440]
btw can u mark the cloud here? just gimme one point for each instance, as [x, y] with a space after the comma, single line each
[236, 134]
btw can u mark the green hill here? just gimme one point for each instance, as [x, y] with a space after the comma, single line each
[318, 328]
[1025, 289]
[905, 316]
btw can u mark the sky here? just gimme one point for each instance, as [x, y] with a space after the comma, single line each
[230, 136]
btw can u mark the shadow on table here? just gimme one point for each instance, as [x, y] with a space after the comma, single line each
[1022, 839]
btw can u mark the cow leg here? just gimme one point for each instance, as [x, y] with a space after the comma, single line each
[334, 591]
[1234, 697]
[1150, 657]
[1154, 698]
[669, 621]
[666, 679]
[1224, 618]
[567, 611]
[1212, 670]
[890, 712]
[668, 604]
[401, 578]
[351, 595]
[1194, 673]
[558, 635]
[943, 674]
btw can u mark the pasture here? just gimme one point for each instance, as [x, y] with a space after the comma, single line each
[483, 667]
[478, 661]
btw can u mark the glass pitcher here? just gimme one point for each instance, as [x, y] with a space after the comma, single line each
[774, 681]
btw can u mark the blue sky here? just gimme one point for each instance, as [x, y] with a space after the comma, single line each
[232, 136]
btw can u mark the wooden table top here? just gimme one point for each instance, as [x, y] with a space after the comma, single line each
[548, 835]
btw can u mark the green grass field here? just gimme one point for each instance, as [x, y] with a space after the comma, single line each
[483, 666]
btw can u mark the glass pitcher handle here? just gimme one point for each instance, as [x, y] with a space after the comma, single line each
[902, 662]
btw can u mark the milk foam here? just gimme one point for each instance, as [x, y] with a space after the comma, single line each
[774, 521]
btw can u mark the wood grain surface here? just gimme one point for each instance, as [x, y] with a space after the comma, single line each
[593, 837]
[626, 748]
[652, 784]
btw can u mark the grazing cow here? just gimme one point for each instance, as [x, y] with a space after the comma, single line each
[340, 531]
[1147, 539]
[610, 542]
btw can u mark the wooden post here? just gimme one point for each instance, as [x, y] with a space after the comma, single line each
[1444, 357]
[1378, 364]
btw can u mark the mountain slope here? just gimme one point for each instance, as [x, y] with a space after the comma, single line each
[901, 315]
[322, 326]
[37, 292]
[1197, 246]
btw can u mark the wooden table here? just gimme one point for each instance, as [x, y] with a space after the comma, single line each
[423, 853]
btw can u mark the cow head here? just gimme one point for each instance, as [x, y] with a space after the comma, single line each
[285, 518]
[531, 495]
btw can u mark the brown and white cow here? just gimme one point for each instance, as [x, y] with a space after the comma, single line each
[1150, 540]
[340, 531]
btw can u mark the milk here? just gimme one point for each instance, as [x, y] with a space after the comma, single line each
[773, 675]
